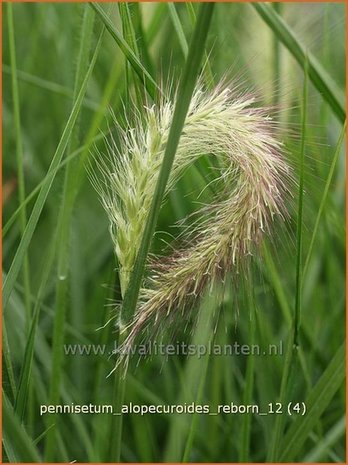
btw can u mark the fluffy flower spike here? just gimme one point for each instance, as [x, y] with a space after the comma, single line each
[227, 126]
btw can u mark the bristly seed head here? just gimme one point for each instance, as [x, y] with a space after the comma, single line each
[253, 173]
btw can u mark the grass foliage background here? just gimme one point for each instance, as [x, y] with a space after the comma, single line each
[59, 283]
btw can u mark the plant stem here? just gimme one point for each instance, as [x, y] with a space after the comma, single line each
[244, 450]
[276, 61]
[64, 220]
[120, 380]
[182, 431]
[19, 156]
[186, 88]
[44, 191]
[319, 77]
[143, 74]
[204, 334]
[293, 342]
[299, 271]
[324, 197]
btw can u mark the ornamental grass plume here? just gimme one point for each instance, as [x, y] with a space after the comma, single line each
[224, 124]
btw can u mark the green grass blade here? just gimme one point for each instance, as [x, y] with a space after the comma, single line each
[128, 29]
[273, 276]
[44, 191]
[8, 381]
[209, 76]
[131, 38]
[158, 19]
[29, 78]
[276, 60]
[25, 375]
[244, 450]
[299, 232]
[279, 421]
[334, 434]
[142, 43]
[64, 229]
[186, 88]
[91, 138]
[144, 76]
[319, 77]
[324, 197]
[292, 348]
[317, 402]
[18, 445]
[183, 428]
[178, 28]
[197, 369]
[50, 86]
[19, 153]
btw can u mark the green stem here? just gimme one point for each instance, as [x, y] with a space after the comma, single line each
[209, 76]
[178, 28]
[131, 297]
[142, 73]
[8, 381]
[182, 432]
[293, 342]
[204, 335]
[17, 262]
[276, 60]
[299, 271]
[119, 389]
[316, 73]
[324, 197]
[19, 155]
[64, 220]
[249, 377]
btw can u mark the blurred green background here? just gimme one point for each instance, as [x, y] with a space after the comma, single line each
[46, 42]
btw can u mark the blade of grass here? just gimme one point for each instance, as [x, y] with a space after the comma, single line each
[48, 176]
[334, 434]
[29, 351]
[187, 84]
[244, 450]
[131, 39]
[50, 86]
[44, 191]
[319, 77]
[26, 369]
[324, 197]
[273, 277]
[209, 76]
[18, 445]
[293, 343]
[19, 154]
[136, 14]
[271, 273]
[144, 76]
[158, 19]
[8, 381]
[63, 236]
[299, 233]
[178, 28]
[316, 403]
[276, 59]
[91, 138]
[196, 370]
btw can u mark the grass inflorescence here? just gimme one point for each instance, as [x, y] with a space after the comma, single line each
[253, 177]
